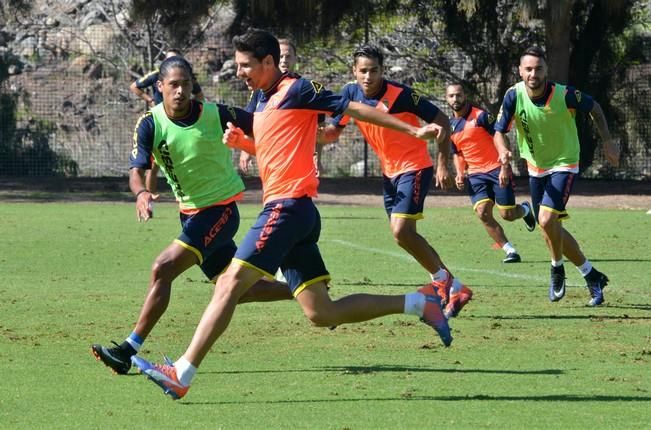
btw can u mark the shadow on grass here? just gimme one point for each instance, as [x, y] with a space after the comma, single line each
[594, 260]
[561, 317]
[477, 397]
[363, 370]
[640, 306]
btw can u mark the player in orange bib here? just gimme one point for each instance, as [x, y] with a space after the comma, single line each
[474, 151]
[407, 167]
[286, 233]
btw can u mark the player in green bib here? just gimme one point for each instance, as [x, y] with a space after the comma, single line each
[543, 112]
[185, 138]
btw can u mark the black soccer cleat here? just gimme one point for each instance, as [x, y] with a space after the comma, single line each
[557, 283]
[596, 282]
[512, 257]
[530, 219]
[117, 359]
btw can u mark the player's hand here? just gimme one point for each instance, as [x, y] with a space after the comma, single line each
[232, 135]
[245, 161]
[505, 175]
[611, 152]
[144, 206]
[504, 156]
[460, 181]
[430, 131]
[443, 178]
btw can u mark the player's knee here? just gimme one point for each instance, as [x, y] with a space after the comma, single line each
[320, 319]
[484, 214]
[163, 268]
[402, 234]
[546, 221]
[509, 214]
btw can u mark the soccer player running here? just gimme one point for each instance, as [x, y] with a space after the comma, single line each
[185, 138]
[473, 150]
[407, 167]
[138, 88]
[287, 230]
[543, 112]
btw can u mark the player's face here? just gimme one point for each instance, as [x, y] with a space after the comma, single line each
[533, 71]
[254, 73]
[455, 97]
[176, 88]
[368, 74]
[287, 58]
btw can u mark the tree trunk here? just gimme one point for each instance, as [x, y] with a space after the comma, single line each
[557, 16]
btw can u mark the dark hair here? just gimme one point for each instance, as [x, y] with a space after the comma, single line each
[455, 84]
[287, 41]
[173, 63]
[534, 51]
[368, 51]
[260, 43]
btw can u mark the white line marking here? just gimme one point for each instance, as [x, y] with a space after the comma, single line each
[405, 256]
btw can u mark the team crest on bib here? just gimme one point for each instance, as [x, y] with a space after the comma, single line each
[415, 97]
[317, 86]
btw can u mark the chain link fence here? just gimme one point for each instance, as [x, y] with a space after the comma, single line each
[76, 116]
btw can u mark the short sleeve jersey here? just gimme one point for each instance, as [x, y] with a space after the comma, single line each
[472, 139]
[190, 151]
[398, 152]
[284, 129]
[149, 80]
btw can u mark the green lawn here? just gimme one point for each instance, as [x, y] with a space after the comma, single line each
[76, 273]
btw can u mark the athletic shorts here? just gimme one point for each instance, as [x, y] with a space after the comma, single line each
[404, 195]
[486, 186]
[285, 235]
[551, 192]
[209, 234]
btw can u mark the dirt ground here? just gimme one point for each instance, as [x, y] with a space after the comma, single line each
[345, 191]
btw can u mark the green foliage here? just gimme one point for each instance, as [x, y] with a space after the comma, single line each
[178, 19]
[515, 357]
[309, 19]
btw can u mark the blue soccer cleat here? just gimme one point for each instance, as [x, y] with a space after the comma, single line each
[596, 282]
[163, 375]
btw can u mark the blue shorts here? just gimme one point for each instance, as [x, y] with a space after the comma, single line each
[551, 192]
[209, 234]
[404, 195]
[285, 235]
[486, 186]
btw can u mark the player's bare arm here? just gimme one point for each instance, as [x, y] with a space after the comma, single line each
[460, 166]
[366, 113]
[441, 127]
[142, 94]
[144, 198]
[610, 149]
[501, 143]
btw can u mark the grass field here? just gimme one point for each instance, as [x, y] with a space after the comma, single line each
[76, 273]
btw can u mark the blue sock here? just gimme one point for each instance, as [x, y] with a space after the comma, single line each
[135, 341]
